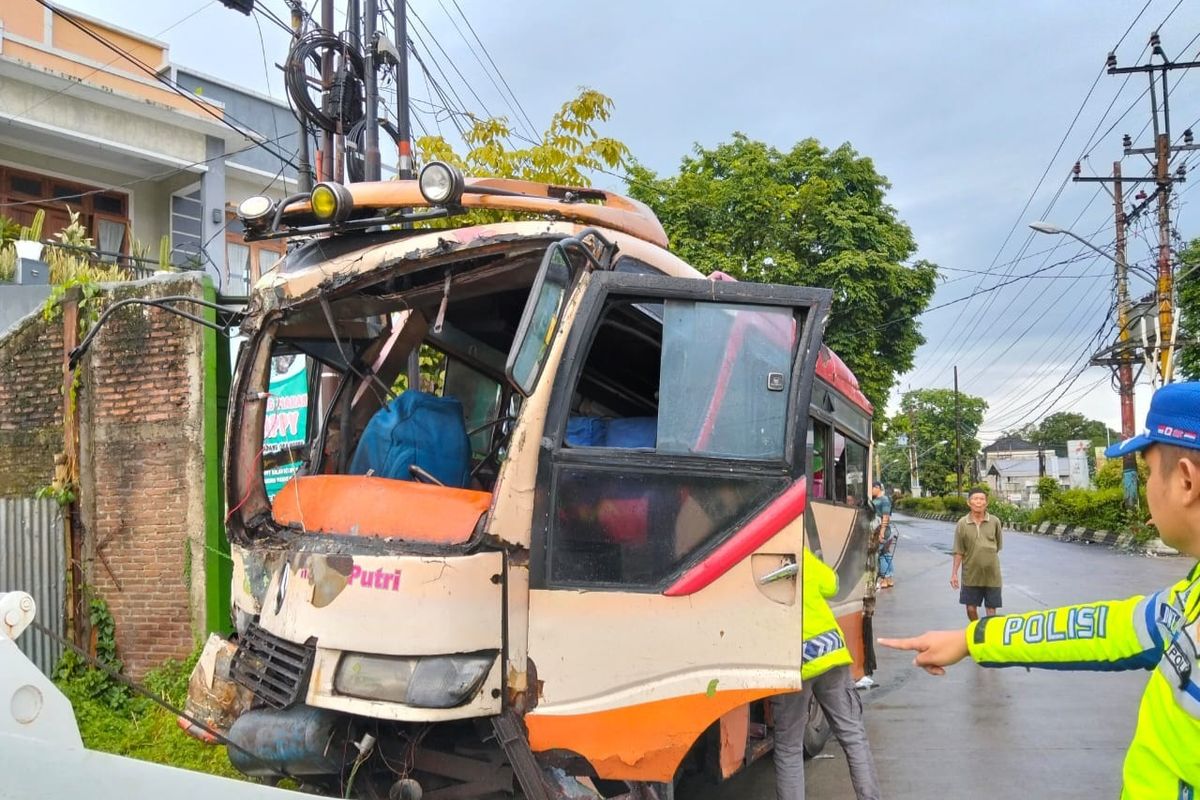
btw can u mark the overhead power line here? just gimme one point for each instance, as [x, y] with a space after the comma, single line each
[155, 177]
[532, 128]
[939, 367]
[225, 119]
[72, 83]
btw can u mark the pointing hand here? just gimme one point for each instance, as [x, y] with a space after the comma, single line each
[935, 649]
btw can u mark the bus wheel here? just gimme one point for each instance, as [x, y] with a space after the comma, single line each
[818, 730]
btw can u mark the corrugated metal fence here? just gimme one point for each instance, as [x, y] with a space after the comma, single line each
[32, 560]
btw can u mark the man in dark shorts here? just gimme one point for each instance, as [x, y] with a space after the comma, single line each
[977, 543]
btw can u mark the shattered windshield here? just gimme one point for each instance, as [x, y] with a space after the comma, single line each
[402, 379]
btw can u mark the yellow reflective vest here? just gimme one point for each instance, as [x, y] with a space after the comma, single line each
[1157, 632]
[824, 642]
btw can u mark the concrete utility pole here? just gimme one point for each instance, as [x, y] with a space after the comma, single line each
[405, 162]
[957, 438]
[304, 180]
[325, 162]
[371, 166]
[914, 473]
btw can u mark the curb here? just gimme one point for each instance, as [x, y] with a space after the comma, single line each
[1071, 533]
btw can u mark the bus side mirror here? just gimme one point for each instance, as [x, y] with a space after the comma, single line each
[539, 321]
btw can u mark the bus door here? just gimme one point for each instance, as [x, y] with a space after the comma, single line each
[669, 520]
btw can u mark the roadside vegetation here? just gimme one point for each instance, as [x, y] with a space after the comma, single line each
[114, 719]
[1100, 508]
[67, 254]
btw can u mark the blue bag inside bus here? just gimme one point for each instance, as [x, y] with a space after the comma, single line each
[416, 428]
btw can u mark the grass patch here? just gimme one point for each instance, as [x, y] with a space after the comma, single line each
[113, 720]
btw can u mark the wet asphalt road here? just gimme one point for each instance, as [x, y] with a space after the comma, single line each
[988, 733]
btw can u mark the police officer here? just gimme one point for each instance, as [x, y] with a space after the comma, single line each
[825, 674]
[1157, 632]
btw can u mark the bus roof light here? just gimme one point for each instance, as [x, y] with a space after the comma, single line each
[441, 184]
[331, 202]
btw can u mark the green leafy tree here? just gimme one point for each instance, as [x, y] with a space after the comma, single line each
[570, 150]
[926, 418]
[809, 216]
[1063, 426]
[1188, 293]
[893, 462]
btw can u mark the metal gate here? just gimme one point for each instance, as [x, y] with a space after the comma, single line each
[32, 560]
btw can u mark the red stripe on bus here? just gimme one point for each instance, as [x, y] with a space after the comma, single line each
[781, 511]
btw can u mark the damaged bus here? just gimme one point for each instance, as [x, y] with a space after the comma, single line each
[526, 516]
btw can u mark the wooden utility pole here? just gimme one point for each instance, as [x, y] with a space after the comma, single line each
[1123, 354]
[66, 470]
[1164, 179]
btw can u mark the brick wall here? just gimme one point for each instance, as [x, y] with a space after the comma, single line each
[141, 459]
[142, 472]
[30, 406]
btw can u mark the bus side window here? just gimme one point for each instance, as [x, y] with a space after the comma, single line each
[818, 443]
[665, 380]
[850, 470]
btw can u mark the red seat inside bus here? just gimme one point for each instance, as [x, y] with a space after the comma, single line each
[359, 505]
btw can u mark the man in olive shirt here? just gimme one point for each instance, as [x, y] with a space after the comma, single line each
[977, 544]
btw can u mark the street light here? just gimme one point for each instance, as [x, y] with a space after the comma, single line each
[1054, 230]
[1124, 370]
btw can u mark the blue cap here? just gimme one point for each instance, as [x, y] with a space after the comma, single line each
[1174, 418]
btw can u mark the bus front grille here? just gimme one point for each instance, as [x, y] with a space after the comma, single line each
[274, 669]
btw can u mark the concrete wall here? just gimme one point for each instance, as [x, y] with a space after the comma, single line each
[92, 121]
[17, 302]
[143, 486]
[270, 118]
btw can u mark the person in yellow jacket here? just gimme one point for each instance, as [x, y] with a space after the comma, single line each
[825, 675]
[1156, 632]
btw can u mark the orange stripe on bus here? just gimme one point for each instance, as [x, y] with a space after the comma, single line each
[644, 742]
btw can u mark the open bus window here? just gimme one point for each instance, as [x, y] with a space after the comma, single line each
[664, 379]
[818, 441]
[850, 470]
[653, 379]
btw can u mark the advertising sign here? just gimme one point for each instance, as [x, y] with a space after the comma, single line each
[1077, 459]
[285, 426]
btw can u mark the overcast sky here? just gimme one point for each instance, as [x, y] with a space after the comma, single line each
[961, 105]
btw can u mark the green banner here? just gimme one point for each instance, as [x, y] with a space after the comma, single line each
[285, 427]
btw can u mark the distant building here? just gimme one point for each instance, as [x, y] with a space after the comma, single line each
[1011, 467]
[138, 150]
[1009, 447]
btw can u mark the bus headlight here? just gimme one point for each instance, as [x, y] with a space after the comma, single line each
[425, 682]
[441, 184]
[331, 202]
